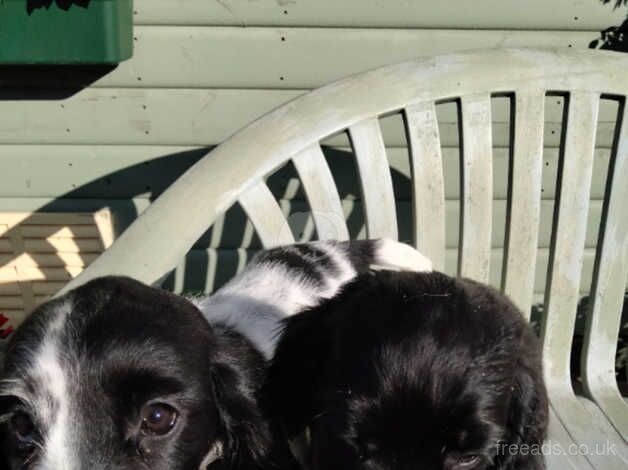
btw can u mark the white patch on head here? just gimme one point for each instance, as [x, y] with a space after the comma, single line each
[391, 254]
[51, 373]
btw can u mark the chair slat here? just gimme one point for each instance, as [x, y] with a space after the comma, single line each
[266, 216]
[569, 231]
[604, 319]
[427, 182]
[524, 199]
[477, 187]
[561, 299]
[322, 194]
[375, 179]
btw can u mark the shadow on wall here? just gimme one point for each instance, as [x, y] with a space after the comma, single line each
[225, 247]
[614, 38]
[120, 191]
[37, 82]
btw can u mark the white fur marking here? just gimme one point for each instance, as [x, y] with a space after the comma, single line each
[255, 302]
[343, 265]
[392, 254]
[53, 406]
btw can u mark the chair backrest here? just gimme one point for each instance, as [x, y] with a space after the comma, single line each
[236, 172]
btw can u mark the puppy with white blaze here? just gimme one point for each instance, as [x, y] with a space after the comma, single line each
[408, 371]
[118, 375]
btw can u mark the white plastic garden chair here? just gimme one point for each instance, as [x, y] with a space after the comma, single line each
[236, 170]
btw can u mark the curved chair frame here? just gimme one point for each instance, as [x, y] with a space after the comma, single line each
[236, 170]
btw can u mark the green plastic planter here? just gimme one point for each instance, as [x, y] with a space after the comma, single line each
[65, 31]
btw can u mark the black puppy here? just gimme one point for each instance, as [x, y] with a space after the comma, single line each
[118, 375]
[411, 371]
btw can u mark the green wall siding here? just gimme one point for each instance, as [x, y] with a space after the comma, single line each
[203, 69]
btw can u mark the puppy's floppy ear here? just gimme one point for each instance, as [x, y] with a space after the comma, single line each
[5, 401]
[528, 413]
[245, 433]
[292, 383]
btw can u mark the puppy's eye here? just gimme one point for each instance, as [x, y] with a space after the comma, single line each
[23, 428]
[158, 419]
[465, 462]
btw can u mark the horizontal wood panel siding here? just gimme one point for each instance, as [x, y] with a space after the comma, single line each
[200, 57]
[472, 14]
[203, 69]
[136, 116]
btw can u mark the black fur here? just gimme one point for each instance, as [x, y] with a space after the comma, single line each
[411, 371]
[134, 344]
